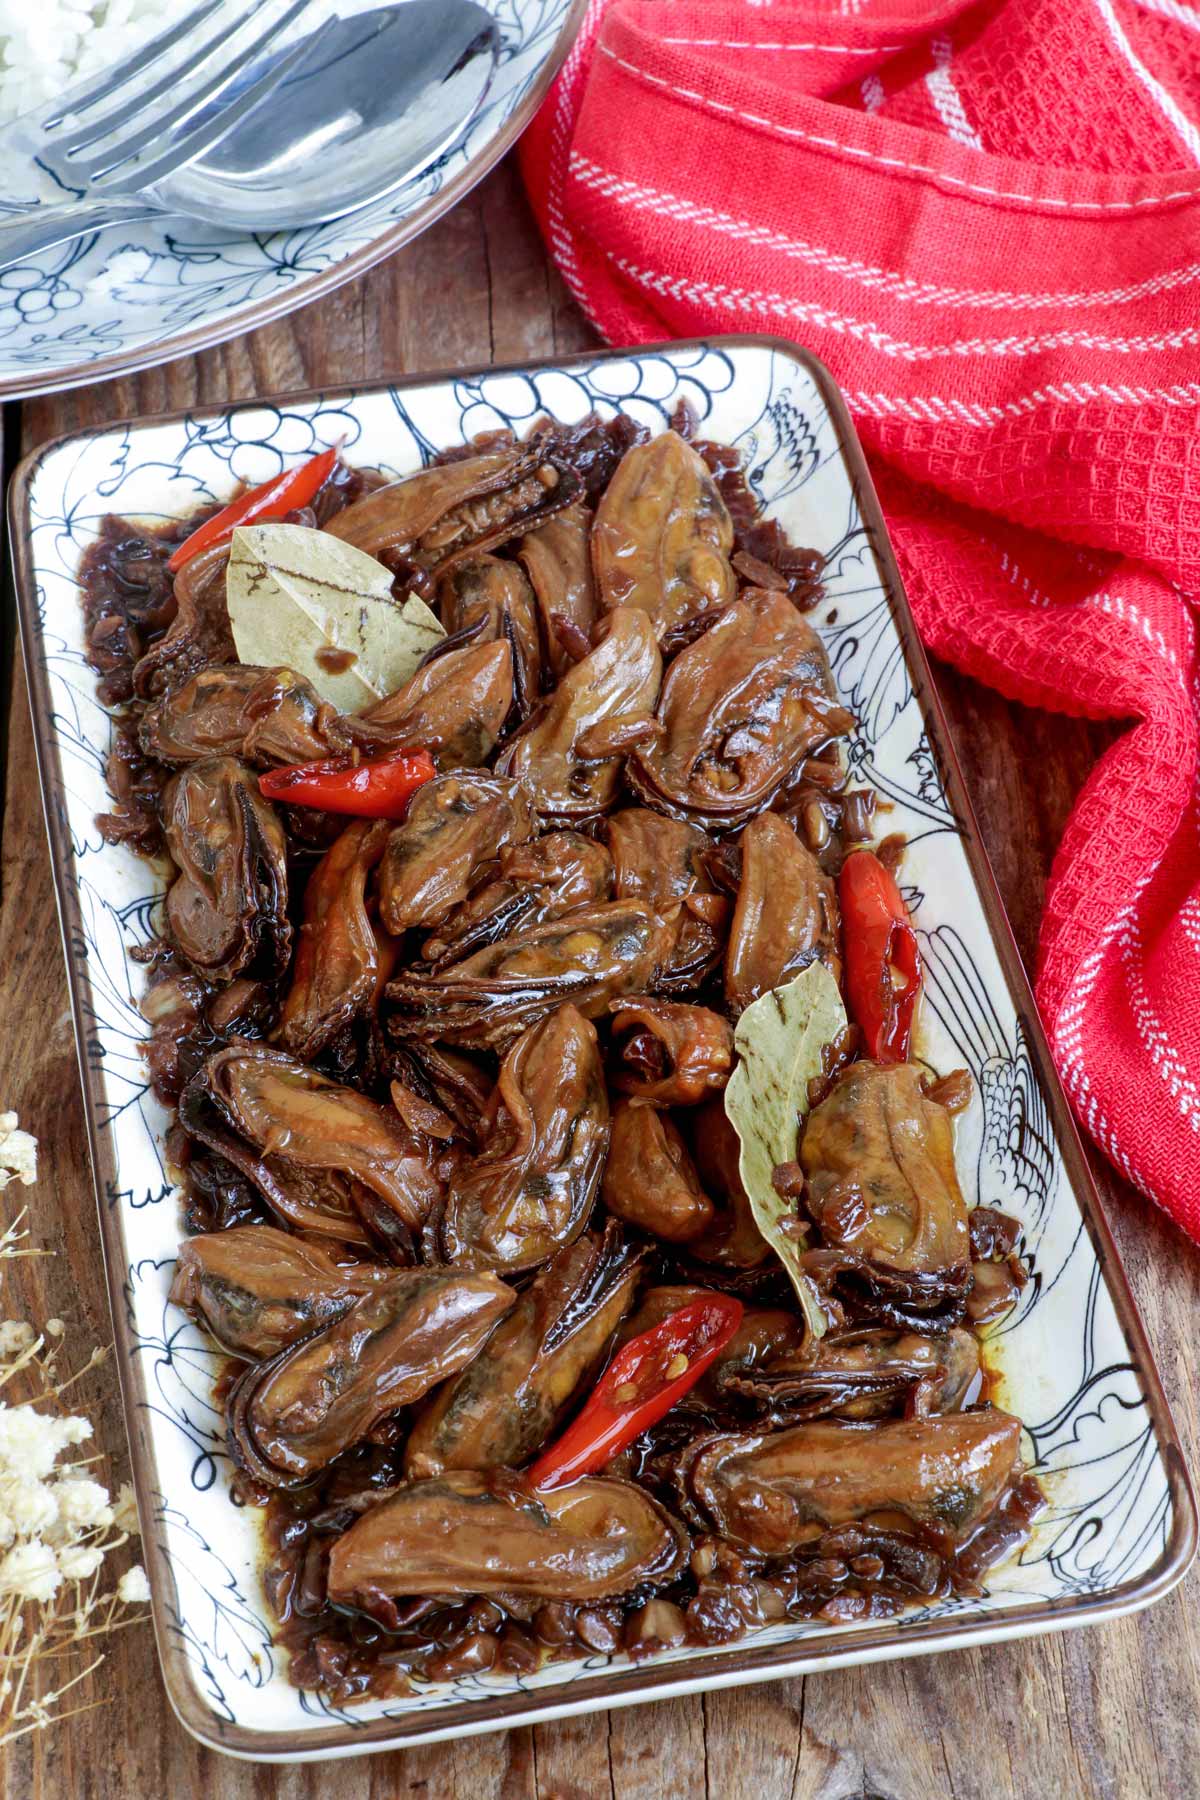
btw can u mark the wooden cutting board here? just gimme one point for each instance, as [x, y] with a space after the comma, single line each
[1109, 1711]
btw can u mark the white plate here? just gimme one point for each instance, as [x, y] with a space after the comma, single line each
[1072, 1359]
[141, 294]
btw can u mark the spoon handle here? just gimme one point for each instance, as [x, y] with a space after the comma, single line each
[23, 237]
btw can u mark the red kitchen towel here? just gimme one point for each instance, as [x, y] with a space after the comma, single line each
[986, 220]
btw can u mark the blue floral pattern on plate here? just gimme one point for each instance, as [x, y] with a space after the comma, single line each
[1115, 1516]
[117, 299]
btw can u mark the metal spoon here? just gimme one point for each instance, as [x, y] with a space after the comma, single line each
[385, 93]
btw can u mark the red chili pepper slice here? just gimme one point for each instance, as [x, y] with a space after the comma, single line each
[643, 1381]
[883, 965]
[273, 500]
[380, 788]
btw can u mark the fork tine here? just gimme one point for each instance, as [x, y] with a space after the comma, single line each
[91, 131]
[121, 150]
[89, 93]
[191, 144]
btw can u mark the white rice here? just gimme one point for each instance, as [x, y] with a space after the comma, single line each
[46, 44]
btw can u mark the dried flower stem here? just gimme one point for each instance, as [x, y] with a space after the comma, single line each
[56, 1522]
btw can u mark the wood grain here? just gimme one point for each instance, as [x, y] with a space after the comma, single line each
[1109, 1712]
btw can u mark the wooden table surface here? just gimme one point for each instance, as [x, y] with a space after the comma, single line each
[1109, 1711]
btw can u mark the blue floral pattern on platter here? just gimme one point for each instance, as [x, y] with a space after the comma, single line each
[127, 292]
[1061, 1357]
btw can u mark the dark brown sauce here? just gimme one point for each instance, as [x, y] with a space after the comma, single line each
[334, 660]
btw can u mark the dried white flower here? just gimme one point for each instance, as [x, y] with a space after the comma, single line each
[82, 1505]
[133, 1589]
[30, 1572]
[18, 1153]
[30, 1506]
[31, 1440]
[79, 1562]
[125, 1513]
[15, 1336]
[54, 1328]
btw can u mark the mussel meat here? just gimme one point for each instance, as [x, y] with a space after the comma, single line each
[785, 916]
[290, 1112]
[290, 1416]
[507, 1402]
[535, 883]
[776, 1491]
[662, 537]
[557, 559]
[257, 1290]
[740, 709]
[650, 1180]
[455, 829]
[669, 1052]
[260, 715]
[200, 632]
[878, 1155]
[586, 957]
[227, 907]
[570, 757]
[664, 862]
[470, 1533]
[531, 1188]
[338, 965]
[426, 522]
[455, 706]
[485, 600]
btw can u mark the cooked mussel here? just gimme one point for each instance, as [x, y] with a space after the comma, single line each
[507, 1402]
[665, 1051]
[453, 1081]
[428, 521]
[785, 916]
[878, 1155]
[557, 559]
[734, 1242]
[200, 632]
[454, 706]
[470, 1533]
[227, 907]
[290, 1416]
[455, 828]
[740, 709]
[261, 715]
[570, 758]
[586, 957]
[774, 1492]
[535, 883]
[665, 863]
[319, 1202]
[487, 600]
[862, 1374]
[531, 1188]
[650, 1180]
[257, 1290]
[338, 963]
[662, 537]
[291, 1112]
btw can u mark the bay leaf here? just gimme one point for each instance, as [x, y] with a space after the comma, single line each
[305, 600]
[779, 1042]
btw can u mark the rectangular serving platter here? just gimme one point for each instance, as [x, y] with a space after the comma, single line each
[1071, 1360]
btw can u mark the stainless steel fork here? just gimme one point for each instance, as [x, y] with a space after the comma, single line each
[107, 140]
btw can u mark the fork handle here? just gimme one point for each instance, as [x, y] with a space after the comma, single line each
[41, 229]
